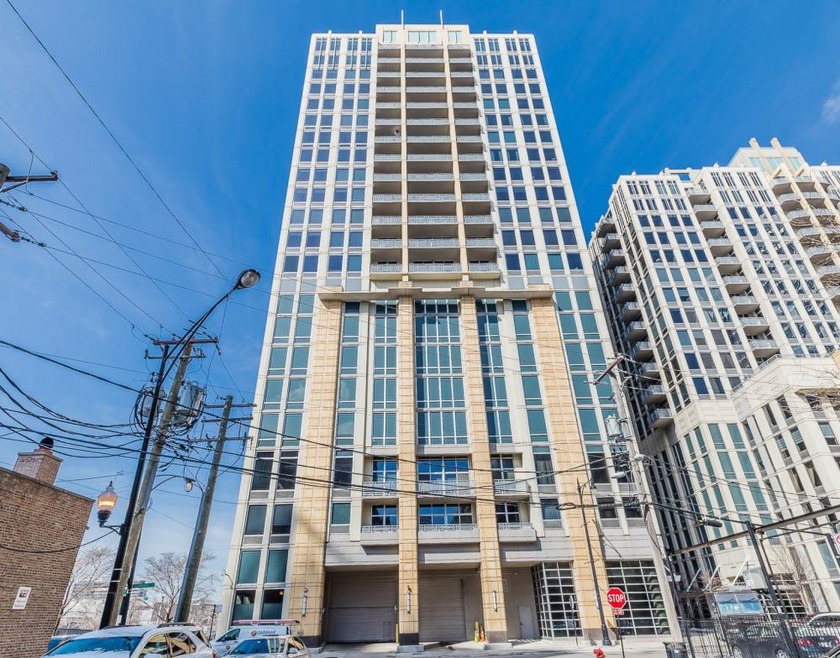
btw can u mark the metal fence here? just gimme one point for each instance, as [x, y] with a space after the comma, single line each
[760, 637]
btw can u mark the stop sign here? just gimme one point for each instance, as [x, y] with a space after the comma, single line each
[616, 598]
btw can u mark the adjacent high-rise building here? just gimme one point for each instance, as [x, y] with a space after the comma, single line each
[718, 284]
[429, 422]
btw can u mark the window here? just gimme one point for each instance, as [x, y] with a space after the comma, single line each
[445, 514]
[272, 607]
[340, 514]
[550, 509]
[507, 513]
[275, 570]
[281, 521]
[249, 566]
[384, 515]
[544, 468]
[261, 479]
[343, 471]
[180, 644]
[255, 521]
[243, 605]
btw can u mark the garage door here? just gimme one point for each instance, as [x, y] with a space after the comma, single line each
[442, 610]
[362, 610]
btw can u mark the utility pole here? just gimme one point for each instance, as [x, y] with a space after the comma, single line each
[605, 636]
[182, 612]
[17, 181]
[144, 494]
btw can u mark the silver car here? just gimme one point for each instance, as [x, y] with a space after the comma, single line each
[162, 641]
[278, 646]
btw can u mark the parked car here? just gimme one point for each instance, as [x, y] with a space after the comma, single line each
[766, 641]
[239, 632]
[278, 646]
[826, 622]
[163, 641]
[63, 635]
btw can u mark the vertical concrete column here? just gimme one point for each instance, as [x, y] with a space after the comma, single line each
[492, 590]
[408, 594]
[312, 500]
[569, 453]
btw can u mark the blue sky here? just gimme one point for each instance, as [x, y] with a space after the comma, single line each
[205, 96]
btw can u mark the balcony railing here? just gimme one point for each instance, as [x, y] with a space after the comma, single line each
[481, 242]
[385, 243]
[512, 532]
[478, 219]
[374, 489]
[385, 198]
[386, 220]
[432, 219]
[433, 243]
[511, 488]
[380, 534]
[385, 267]
[428, 197]
[450, 529]
[446, 488]
[483, 267]
[422, 268]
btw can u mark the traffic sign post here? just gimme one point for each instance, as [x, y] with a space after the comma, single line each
[617, 600]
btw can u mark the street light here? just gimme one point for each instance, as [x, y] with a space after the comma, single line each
[129, 536]
[105, 504]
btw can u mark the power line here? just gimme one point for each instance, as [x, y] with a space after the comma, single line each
[113, 137]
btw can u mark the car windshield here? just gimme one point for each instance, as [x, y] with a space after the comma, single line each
[259, 645]
[97, 644]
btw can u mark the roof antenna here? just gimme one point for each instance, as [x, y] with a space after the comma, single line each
[441, 17]
[402, 17]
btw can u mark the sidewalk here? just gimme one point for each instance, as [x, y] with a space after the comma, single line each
[635, 647]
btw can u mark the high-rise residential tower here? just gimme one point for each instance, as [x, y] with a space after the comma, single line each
[428, 420]
[718, 285]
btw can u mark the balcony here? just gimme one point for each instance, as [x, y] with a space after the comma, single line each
[385, 270]
[620, 274]
[789, 200]
[727, 264]
[511, 488]
[461, 533]
[798, 214]
[754, 325]
[650, 371]
[387, 157]
[604, 226]
[661, 418]
[820, 253]
[834, 293]
[387, 198]
[467, 157]
[698, 195]
[379, 244]
[614, 257]
[828, 270]
[763, 347]
[720, 246]
[517, 532]
[487, 269]
[374, 489]
[713, 229]
[434, 268]
[481, 243]
[705, 211]
[385, 220]
[745, 303]
[433, 243]
[642, 351]
[610, 241]
[625, 292]
[636, 330]
[736, 284]
[380, 535]
[780, 182]
[425, 220]
[631, 311]
[478, 219]
[653, 394]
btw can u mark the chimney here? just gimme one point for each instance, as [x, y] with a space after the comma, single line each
[40, 464]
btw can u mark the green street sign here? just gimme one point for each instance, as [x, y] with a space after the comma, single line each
[142, 585]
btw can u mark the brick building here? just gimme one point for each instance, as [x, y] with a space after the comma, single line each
[35, 517]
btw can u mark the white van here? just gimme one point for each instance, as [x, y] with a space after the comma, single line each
[245, 630]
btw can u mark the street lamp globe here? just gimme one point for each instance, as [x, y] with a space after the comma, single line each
[105, 503]
[247, 279]
[188, 484]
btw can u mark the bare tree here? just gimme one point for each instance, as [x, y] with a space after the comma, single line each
[166, 571]
[85, 595]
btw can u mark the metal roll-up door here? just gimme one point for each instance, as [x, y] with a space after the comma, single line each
[442, 610]
[362, 610]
